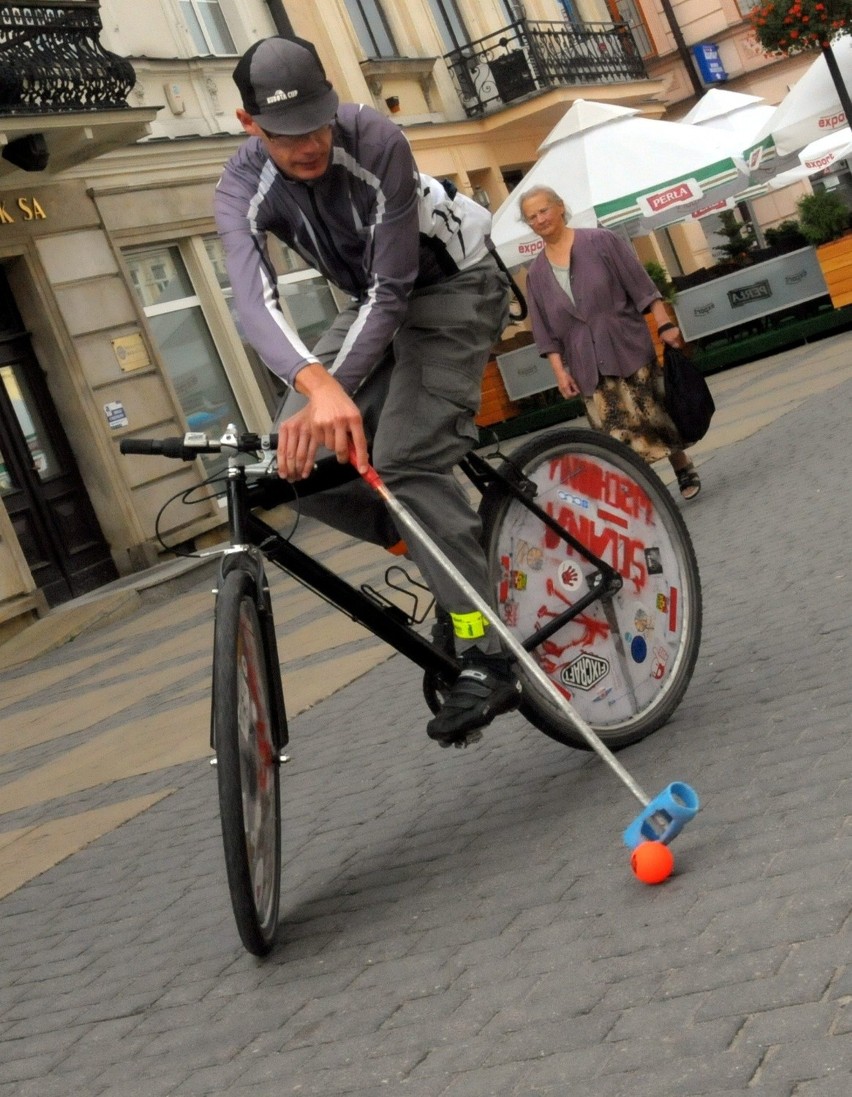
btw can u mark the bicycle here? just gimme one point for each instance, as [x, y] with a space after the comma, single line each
[593, 572]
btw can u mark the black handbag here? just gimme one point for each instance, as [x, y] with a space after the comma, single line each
[689, 401]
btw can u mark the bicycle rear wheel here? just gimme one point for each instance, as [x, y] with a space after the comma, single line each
[247, 764]
[624, 662]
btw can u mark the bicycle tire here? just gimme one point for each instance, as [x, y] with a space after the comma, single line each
[247, 765]
[625, 665]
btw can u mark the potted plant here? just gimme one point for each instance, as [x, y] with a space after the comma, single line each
[740, 238]
[824, 219]
[786, 27]
[660, 277]
[786, 236]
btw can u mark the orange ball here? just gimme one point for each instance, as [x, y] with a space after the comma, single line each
[652, 862]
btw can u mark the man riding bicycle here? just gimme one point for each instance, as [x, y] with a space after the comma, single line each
[401, 367]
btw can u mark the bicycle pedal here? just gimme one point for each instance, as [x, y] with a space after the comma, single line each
[466, 740]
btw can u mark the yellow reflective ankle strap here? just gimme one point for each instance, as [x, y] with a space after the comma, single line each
[469, 626]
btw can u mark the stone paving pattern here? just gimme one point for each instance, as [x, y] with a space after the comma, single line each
[457, 923]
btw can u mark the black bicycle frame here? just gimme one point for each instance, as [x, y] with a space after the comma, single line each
[607, 579]
[392, 627]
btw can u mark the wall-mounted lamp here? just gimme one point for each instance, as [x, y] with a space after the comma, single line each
[392, 103]
[29, 153]
[480, 195]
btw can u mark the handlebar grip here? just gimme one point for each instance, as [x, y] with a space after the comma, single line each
[167, 447]
[137, 445]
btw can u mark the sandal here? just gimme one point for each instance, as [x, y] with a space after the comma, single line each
[688, 481]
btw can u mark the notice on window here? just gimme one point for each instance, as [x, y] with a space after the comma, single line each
[131, 352]
[116, 415]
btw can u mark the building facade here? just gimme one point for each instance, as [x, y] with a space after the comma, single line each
[116, 309]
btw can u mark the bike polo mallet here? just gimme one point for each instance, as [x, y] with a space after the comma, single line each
[662, 817]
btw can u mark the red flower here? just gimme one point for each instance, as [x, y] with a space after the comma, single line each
[794, 25]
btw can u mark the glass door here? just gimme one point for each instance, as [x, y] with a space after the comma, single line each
[41, 487]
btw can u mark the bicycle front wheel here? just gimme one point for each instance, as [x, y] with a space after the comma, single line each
[246, 763]
[625, 661]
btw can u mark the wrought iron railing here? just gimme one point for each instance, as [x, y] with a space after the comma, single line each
[528, 57]
[51, 60]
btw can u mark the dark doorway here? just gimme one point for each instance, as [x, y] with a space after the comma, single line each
[40, 484]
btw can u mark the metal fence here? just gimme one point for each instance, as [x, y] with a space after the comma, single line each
[51, 60]
[528, 57]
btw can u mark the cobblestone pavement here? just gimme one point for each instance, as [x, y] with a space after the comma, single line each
[457, 923]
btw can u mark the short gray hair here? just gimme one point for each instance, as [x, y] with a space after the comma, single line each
[549, 193]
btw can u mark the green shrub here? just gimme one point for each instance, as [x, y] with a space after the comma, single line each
[741, 240]
[659, 276]
[823, 216]
[787, 235]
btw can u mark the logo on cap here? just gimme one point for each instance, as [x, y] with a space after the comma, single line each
[281, 96]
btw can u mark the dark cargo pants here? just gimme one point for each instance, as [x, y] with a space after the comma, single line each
[419, 407]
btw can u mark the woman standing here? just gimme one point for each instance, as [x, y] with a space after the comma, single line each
[587, 292]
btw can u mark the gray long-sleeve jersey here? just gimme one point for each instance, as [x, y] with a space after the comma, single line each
[372, 225]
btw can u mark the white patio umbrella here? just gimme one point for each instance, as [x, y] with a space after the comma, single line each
[744, 118]
[810, 109]
[787, 178]
[817, 157]
[732, 111]
[826, 151]
[740, 118]
[615, 168]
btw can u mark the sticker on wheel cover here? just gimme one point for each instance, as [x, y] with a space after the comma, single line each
[585, 671]
[653, 561]
[570, 576]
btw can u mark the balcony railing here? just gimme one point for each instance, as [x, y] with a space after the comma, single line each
[51, 60]
[528, 57]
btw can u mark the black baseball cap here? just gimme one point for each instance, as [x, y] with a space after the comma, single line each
[283, 86]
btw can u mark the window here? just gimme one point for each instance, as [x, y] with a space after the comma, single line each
[27, 413]
[372, 28]
[627, 11]
[306, 300]
[207, 26]
[450, 25]
[186, 346]
[746, 6]
[515, 10]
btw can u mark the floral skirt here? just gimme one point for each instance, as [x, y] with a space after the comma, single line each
[632, 410]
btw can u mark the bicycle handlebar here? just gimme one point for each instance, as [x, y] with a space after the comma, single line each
[189, 446]
[268, 490]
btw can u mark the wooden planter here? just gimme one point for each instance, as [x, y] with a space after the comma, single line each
[652, 328]
[496, 406]
[835, 259]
